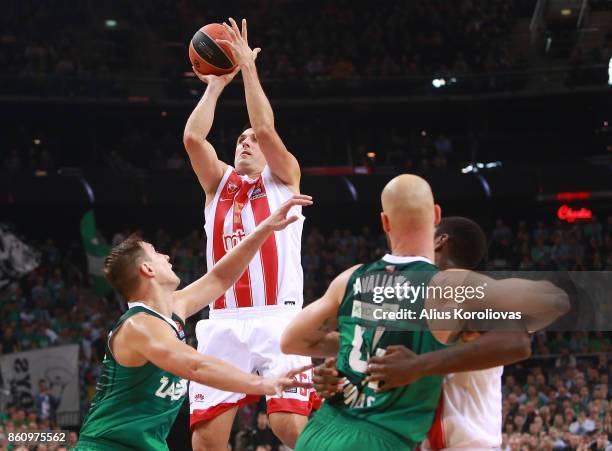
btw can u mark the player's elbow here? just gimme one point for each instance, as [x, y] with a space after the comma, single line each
[522, 346]
[264, 130]
[287, 345]
[562, 303]
[191, 140]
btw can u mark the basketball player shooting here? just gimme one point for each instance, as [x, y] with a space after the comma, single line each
[246, 322]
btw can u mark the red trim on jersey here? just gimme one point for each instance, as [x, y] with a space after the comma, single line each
[242, 287]
[198, 416]
[290, 405]
[224, 203]
[268, 253]
[436, 433]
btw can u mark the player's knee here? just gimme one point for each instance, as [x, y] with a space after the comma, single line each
[287, 427]
[204, 439]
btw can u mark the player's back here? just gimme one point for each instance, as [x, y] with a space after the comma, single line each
[274, 277]
[406, 411]
[134, 407]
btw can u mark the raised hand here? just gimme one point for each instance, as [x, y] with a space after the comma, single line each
[239, 44]
[279, 220]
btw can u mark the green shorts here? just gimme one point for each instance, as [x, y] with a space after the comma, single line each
[330, 430]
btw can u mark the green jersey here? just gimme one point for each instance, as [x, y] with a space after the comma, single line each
[408, 411]
[134, 407]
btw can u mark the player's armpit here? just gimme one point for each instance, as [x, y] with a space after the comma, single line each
[313, 331]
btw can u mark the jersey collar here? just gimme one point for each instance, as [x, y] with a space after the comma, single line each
[400, 260]
[140, 304]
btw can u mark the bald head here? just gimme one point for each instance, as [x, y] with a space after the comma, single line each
[407, 200]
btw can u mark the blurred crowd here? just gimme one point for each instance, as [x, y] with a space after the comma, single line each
[106, 43]
[545, 247]
[559, 399]
[157, 146]
[336, 39]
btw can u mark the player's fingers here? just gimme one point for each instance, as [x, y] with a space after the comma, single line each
[375, 377]
[244, 30]
[376, 368]
[375, 360]
[399, 348]
[300, 196]
[230, 44]
[325, 371]
[330, 361]
[285, 222]
[299, 370]
[230, 31]
[234, 26]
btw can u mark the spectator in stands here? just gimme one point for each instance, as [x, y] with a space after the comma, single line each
[46, 403]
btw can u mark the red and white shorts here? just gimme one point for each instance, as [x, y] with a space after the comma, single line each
[249, 339]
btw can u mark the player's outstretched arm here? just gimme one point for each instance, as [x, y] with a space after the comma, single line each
[207, 166]
[539, 302]
[400, 366]
[282, 163]
[155, 341]
[226, 272]
[313, 331]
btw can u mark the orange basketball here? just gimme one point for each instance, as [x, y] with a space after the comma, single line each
[207, 55]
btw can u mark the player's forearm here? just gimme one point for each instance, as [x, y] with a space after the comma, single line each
[260, 111]
[327, 346]
[223, 376]
[491, 349]
[223, 275]
[227, 271]
[539, 302]
[201, 119]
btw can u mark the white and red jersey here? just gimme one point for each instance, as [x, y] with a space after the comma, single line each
[274, 276]
[469, 416]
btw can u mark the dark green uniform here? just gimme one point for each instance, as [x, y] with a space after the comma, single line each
[359, 418]
[134, 407]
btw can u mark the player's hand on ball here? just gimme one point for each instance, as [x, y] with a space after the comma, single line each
[221, 80]
[238, 42]
[276, 386]
[325, 378]
[399, 366]
[279, 220]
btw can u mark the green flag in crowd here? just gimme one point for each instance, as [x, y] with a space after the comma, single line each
[95, 254]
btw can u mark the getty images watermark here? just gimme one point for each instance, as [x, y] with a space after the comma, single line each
[563, 301]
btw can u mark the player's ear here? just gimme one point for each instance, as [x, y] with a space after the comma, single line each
[146, 270]
[440, 241]
[384, 219]
[437, 214]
